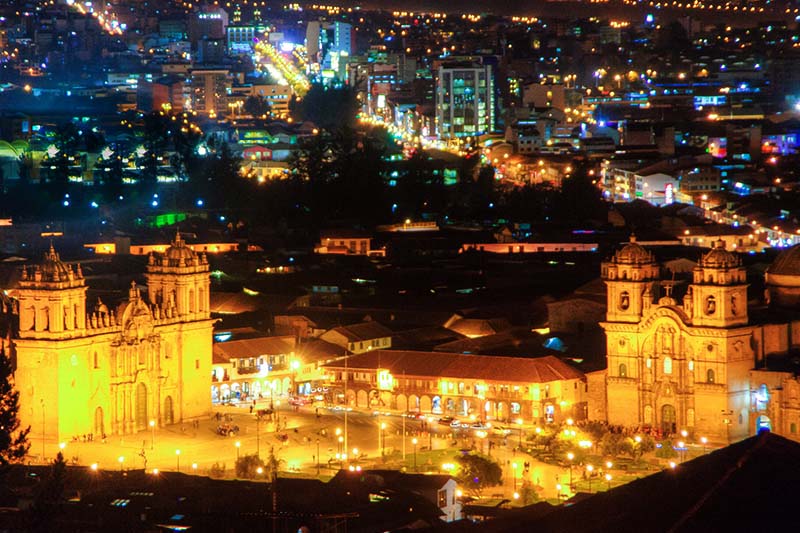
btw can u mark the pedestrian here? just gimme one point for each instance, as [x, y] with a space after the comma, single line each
[251, 409]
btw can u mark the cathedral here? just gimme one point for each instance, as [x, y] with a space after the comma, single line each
[710, 362]
[89, 369]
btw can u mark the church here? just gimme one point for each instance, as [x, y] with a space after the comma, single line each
[85, 369]
[710, 362]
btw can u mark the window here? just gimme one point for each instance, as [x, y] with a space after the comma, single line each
[691, 365]
[441, 496]
[792, 428]
[197, 364]
[711, 305]
[624, 301]
[710, 376]
[668, 365]
[623, 371]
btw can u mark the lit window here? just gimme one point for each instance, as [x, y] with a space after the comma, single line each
[668, 365]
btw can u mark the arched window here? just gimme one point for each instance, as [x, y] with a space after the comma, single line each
[711, 305]
[623, 370]
[668, 365]
[710, 378]
[624, 301]
[691, 365]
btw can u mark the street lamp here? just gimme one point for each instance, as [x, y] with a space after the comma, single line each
[341, 452]
[514, 474]
[121, 460]
[590, 470]
[608, 480]
[382, 439]
[570, 456]
[430, 433]
[519, 421]
[318, 457]
[414, 442]
[152, 434]
[704, 441]
[238, 445]
[178, 460]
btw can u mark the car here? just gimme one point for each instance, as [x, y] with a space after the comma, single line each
[481, 426]
[446, 420]
[299, 401]
[227, 429]
[458, 424]
[500, 430]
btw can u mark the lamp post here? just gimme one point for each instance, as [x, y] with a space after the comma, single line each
[570, 456]
[238, 445]
[295, 365]
[514, 475]
[704, 440]
[121, 460]
[382, 439]
[341, 452]
[152, 434]
[430, 433]
[608, 480]
[590, 470]
[318, 457]
[519, 422]
[258, 436]
[414, 442]
[178, 460]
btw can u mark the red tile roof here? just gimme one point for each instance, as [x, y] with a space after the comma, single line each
[452, 365]
[364, 331]
[246, 348]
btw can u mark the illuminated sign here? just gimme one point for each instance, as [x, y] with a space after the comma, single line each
[385, 380]
[669, 194]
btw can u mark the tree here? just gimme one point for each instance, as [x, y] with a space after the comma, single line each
[50, 496]
[477, 472]
[256, 106]
[13, 440]
[527, 493]
[247, 466]
[273, 465]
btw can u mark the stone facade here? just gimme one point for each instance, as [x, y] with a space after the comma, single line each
[93, 370]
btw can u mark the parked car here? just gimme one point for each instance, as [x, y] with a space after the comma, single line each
[446, 420]
[227, 429]
[500, 430]
[481, 426]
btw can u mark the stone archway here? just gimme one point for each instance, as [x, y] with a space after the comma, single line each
[669, 419]
[402, 403]
[169, 412]
[425, 404]
[413, 403]
[362, 399]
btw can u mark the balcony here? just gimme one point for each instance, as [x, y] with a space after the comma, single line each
[244, 370]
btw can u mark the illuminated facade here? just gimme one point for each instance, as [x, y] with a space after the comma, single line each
[542, 389]
[98, 370]
[689, 365]
[464, 101]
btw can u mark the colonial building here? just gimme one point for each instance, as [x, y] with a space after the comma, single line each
[689, 365]
[542, 389]
[90, 369]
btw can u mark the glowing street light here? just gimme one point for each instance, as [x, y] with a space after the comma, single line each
[608, 480]
[238, 445]
[178, 459]
[152, 434]
[571, 457]
[121, 460]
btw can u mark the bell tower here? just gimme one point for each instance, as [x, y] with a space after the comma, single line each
[178, 282]
[629, 276]
[718, 294]
[52, 300]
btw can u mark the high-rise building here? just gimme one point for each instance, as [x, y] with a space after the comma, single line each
[209, 88]
[93, 369]
[465, 104]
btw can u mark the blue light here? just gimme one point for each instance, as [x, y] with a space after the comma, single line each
[154, 203]
[66, 203]
[200, 202]
[95, 205]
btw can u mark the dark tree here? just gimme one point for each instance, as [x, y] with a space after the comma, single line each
[477, 472]
[50, 496]
[156, 131]
[329, 107]
[256, 106]
[13, 440]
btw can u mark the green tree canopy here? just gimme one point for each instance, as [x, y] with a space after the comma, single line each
[13, 440]
[476, 472]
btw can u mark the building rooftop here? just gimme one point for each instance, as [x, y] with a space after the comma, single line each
[452, 365]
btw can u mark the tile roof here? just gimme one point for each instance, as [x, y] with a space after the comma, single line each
[452, 365]
[246, 348]
[363, 331]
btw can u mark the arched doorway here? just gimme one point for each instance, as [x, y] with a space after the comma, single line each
[169, 414]
[763, 423]
[413, 403]
[436, 406]
[668, 418]
[99, 426]
[402, 404]
[425, 404]
[361, 399]
[141, 407]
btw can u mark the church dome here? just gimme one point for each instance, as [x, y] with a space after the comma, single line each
[787, 263]
[633, 253]
[179, 251]
[719, 257]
